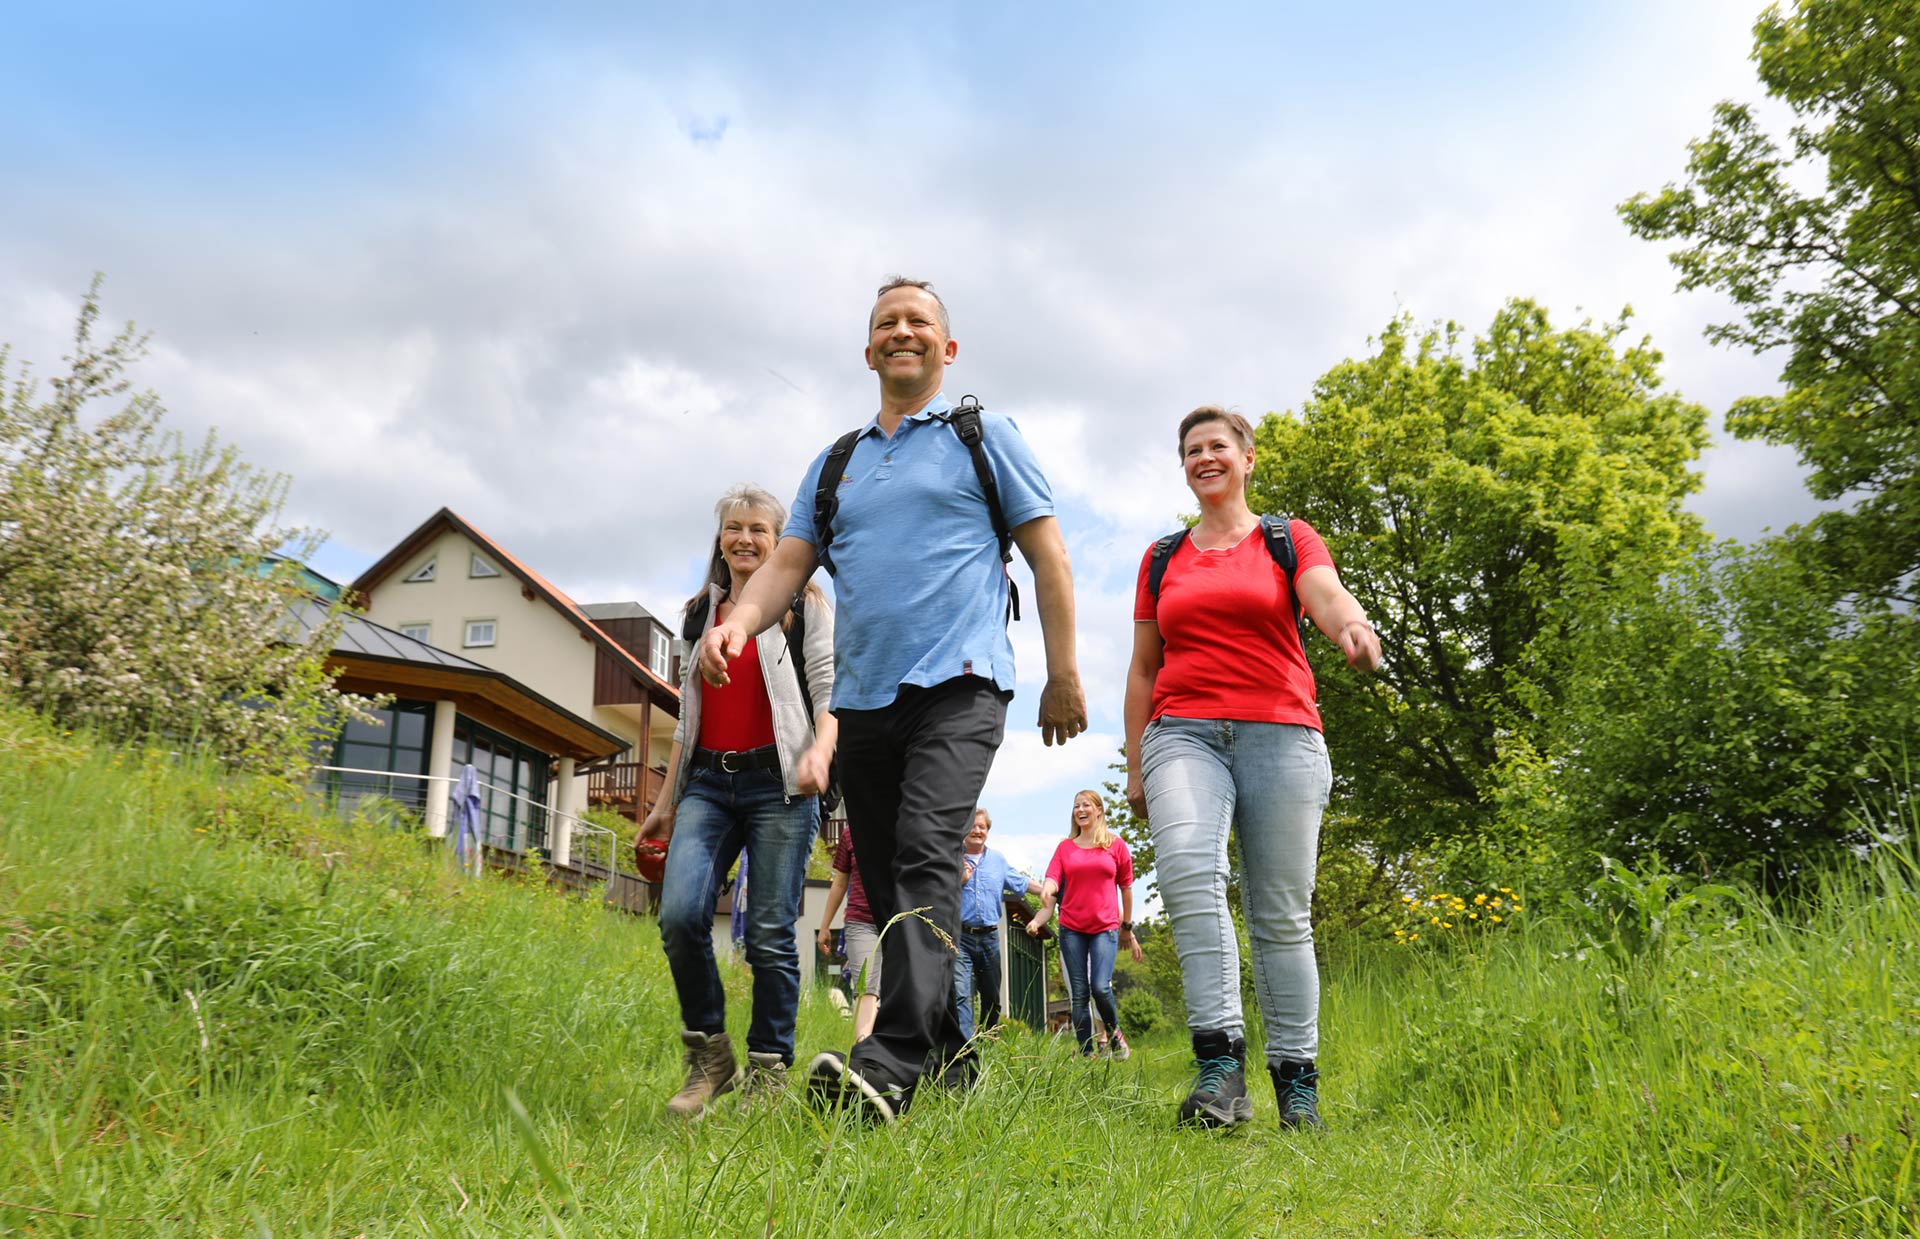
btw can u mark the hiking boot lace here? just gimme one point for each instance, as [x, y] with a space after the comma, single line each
[1214, 1073]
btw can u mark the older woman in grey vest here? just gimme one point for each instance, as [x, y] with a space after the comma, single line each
[746, 772]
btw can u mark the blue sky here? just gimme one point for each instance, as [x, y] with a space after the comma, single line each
[572, 270]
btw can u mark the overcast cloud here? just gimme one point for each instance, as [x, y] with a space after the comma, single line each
[572, 275]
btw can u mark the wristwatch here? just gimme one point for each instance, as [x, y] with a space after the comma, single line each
[1126, 927]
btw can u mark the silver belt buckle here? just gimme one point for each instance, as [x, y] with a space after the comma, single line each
[726, 761]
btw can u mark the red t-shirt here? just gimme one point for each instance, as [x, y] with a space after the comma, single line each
[1090, 880]
[843, 862]
[1232, 645]
[737, 715]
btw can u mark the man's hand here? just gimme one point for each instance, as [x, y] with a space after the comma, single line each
[722, 644]
[1063, 710]
[1361, 645]
[825, 939]
[811, 772]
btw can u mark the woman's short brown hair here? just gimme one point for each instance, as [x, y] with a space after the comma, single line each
[1241, 428]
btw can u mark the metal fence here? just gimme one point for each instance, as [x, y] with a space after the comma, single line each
[593, 847]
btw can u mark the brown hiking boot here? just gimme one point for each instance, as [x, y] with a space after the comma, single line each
[711, 1071]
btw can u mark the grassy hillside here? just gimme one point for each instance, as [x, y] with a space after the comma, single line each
[221, 1017]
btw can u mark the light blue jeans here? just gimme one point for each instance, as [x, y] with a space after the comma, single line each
[1088, 962]
[1268, 783]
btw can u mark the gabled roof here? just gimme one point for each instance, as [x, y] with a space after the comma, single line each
[533, 583]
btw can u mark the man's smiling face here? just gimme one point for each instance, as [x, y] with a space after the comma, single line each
[906, 345]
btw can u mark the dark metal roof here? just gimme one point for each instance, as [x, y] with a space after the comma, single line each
[362, 636]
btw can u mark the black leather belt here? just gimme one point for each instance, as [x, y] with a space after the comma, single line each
[733, 761]
[981, 929]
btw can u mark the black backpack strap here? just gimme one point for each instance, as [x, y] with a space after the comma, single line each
[826, 495]
[696, 621]
[965, 420]
[1278, 534]
[797, 650]
[1157, 561]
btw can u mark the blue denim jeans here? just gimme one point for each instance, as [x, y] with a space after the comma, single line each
[976, 970]
[1088, 960]
[1268, 783]
[719, 814]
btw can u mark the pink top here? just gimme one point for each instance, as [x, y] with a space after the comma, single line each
[1090, 881]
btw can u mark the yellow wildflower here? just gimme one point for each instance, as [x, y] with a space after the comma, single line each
[1479, 901]
[1496, 920]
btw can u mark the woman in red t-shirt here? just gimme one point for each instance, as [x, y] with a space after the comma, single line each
[1090, 866]
[1223, 733]
[749, 760]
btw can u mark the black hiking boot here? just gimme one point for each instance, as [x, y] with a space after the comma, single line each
[1219, 1097]
[1296, 1084]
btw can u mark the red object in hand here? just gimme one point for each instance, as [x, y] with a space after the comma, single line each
[650, 858]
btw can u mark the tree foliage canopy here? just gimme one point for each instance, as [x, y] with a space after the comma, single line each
[140, 589]
[1817, 240]
[1461, 492]
[1723, 718]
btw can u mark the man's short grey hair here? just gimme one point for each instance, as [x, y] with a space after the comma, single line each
[925, 286]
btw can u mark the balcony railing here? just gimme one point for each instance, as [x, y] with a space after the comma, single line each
[630, 788]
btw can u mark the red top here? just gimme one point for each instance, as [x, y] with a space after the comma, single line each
[737, 715]
[1232, 646]
[1090, 880]
[843, 862]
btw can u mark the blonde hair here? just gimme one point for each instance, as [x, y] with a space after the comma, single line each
[1103, 835]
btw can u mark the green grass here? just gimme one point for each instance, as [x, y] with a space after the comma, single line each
[221, 1017]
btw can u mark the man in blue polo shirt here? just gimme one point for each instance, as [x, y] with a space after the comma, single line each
[923, 672]
[986, 879]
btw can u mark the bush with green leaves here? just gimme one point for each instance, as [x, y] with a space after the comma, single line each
[142, 586]
[1725, 717]
[1140, 1011]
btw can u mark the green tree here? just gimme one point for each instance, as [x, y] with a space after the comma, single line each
[1461, 493]
[1720, 721]
[1817, 240]
[140, 589]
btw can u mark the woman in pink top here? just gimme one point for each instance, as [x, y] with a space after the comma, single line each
[1088, 869]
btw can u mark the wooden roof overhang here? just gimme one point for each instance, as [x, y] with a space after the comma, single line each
[484, 695]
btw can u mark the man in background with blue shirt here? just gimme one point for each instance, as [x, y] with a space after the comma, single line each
[923, 672]
[987, 879]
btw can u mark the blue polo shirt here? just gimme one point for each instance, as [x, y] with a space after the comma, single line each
[920, 594]
[993, 878]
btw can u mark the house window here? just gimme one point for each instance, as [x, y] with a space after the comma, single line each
[424, 572]
[418, 632]
[394, 740]
[513, 793]
[480, 632]
[477, 566]
[662, 655]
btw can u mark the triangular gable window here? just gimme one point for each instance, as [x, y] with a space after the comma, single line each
[425, 572]
[480, 567]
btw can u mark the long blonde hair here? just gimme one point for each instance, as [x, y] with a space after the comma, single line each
[1103, 835]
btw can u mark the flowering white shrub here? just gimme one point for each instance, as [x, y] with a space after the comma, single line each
[140, 592]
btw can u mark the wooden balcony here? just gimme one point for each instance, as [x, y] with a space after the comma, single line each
[629, 788]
